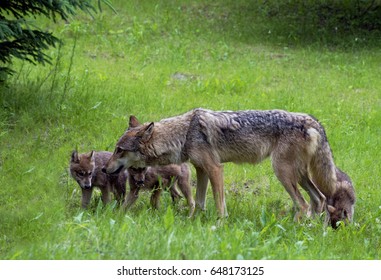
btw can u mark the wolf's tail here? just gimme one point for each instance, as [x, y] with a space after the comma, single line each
[322, 166]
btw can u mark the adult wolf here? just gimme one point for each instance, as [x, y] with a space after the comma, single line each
[296, 143]
[86, 170]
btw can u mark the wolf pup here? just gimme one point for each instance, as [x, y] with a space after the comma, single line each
[86, 170]
[158, 178]
[296, 143]
[341, 204]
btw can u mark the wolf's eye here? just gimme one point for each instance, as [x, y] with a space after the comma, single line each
[81, 173]
[89, 173]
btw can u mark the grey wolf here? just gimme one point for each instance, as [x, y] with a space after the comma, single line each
[86, 169]
[341, 204]
[155, 179]
[296, 143]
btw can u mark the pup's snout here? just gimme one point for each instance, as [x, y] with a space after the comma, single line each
[87, 187]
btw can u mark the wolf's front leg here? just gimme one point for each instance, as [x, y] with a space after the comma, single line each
[202, 184]
[318, 200]
[215, 174]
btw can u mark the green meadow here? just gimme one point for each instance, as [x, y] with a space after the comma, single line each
[156, 59]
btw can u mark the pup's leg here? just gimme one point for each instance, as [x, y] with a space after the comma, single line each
[131, 197]
[86, 196]
[105, 194]
[119, 194]
[155, 197]
[120, 189]
[184, 184]
[175, 195]
[169, 185]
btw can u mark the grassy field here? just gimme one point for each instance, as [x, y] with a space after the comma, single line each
[156, 59]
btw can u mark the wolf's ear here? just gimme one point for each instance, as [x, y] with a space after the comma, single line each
[133, 122]
[331, 209]
[344, 214]
[147, 132]
[74, 157]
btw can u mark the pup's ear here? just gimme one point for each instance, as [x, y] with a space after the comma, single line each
[74, 157]
[331, 209]
[92, 156]
[147, 132]
[133, 122]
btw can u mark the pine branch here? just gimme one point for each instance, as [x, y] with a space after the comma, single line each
[17, 40]
[29, 46]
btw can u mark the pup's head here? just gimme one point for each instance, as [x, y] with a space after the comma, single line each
[82, 168]
[128, 150]
[138, 175]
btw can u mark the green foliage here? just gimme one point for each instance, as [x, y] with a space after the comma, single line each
[337, 23]
[168, 219]
[156, 59]
[21, 38]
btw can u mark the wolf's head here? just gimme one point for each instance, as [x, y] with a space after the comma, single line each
[341, 206]
[82, 168]
[128, 150]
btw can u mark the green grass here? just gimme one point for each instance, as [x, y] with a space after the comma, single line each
[234, 57]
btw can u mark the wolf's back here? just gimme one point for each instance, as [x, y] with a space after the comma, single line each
[253, 135]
